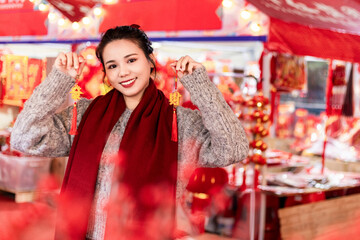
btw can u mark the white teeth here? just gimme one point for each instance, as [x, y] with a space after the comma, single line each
[128, 82]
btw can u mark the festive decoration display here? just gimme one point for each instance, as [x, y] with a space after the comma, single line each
[175, 101]
[288, 72]
[74, 10]
[164, 78]
[16, 77]
[75, 95]
[256, 118]
[92, 80]
[20, 76]
[285, 120]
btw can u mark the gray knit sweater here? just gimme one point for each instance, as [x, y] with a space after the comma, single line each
[211, 137]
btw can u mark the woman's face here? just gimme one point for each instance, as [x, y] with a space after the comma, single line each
[127, 69]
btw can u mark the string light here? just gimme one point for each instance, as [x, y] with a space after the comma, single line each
[61, 22]
[43, 7]
[255, 27]
[75, 25]
[109, 2]
[52, 17]
[85, 20]
[97, 11]
[227, 3]
[245, 14]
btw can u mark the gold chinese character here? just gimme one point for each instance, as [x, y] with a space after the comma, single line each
[76, 92]
[175, 98]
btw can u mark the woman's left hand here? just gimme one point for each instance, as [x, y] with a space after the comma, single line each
[185, 65]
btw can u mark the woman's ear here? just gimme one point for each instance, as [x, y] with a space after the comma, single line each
[152, 73]
[152, 57]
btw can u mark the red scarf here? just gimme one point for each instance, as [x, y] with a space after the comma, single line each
[149, 157]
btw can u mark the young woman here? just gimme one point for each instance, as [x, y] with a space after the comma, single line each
[133, 122]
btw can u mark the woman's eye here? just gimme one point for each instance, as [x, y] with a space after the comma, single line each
[111, 66]
[131, 60]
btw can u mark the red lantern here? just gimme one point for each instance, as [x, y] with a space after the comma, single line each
[258, 128]
[265, 118]
[257, 114]
[264, 133]
[258, 159]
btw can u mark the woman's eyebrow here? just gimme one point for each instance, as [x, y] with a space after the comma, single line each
[131, 54]
[110, 61]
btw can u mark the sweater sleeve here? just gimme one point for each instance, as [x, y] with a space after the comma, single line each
[213, 136]
[38, 129]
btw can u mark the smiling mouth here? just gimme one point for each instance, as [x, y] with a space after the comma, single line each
[128, 82]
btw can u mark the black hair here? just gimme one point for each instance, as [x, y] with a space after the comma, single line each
[132, 33]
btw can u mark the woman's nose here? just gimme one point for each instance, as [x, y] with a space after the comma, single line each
[124, 71]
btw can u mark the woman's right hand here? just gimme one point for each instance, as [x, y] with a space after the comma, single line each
[70, 63]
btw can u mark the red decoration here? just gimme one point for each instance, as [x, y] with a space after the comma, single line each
[258, 159]
[91, 80]
[338, 77]
[35, 72]
[290, 73]
[259, 144]
[74, 10]
[2, 82]
[206, 180]
[257, 114]
[18, 18]
[75, 95]
[201, 17]
[175, 101]
[174, 135]
[323, 14]
[73, 130]
[308, 41]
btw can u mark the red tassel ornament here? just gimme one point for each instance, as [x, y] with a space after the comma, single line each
[75, 95]
[174, 131]
[175, 101]
[73, 130]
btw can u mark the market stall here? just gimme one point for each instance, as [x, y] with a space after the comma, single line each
[326, 31]
[295, 165]
[27, 55]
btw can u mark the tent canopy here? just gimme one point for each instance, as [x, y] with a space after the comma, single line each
[155, 15]
[322, 28]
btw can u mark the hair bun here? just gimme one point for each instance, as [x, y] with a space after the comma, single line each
[135, 26]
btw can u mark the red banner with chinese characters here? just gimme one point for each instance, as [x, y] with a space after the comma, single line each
[74, 10]
[164, 15]
[18, 18]
[16, 77]
[35, 73]
[22, 75]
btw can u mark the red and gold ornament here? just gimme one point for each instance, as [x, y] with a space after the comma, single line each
[174, 100]
[75, 95]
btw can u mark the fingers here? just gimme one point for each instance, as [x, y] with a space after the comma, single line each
[191, 67]
[185, 65]
[182, 63]
[60, 60]
[70, 62]
[82, 64]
